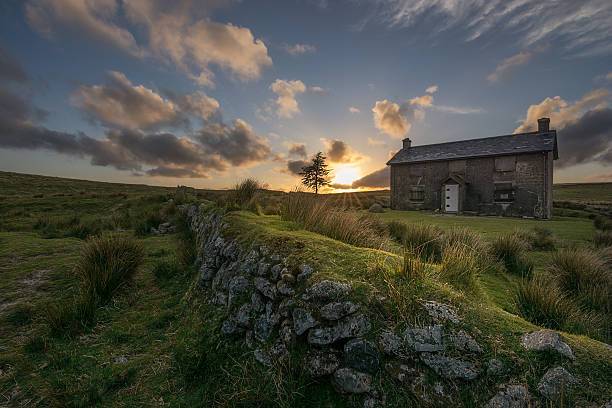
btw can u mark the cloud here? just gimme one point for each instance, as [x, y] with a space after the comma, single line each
[510, 64]
[298, 49]
[340, 152]
[432, 89]
[581, 27]
[297, 149]
[11, 68]
[295, 166]
[178, 33]
[560, 112]
[197, 104]
[424, 101]
[377, 179]
[387, 119]
[317, 90]
[604, 77]
[376, 142]
[286, 92]
[352, 109]
[457, 110]
[599, 177]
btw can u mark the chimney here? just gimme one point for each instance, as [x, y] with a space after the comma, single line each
[406, 143]
[543, 125]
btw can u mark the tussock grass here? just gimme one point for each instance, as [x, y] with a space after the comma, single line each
[602, 239]
[244, 195]
[319, 215]
[145, 220]
[511, 250]
[602, 223]
[459, 266]
[538, 238]
[426, 239]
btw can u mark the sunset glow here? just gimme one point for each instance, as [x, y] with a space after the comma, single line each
[346, 175]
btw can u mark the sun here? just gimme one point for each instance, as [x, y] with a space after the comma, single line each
[346, 175]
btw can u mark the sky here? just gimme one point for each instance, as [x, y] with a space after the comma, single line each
[207, 93]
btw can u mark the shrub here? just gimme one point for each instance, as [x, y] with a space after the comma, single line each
[424, 238]
[585, 275]
[459, 265]
[244, 193]
[317, 214]
[602, 223]
[397, 230]
[187, 242]
[542, 238]
[105, 263]
[413, 267]
[602, 239]
[145, 220]
[542, 304]
[69, 317]
[510, 249]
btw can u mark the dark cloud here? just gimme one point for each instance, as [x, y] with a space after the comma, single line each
[175, 172]
[11, 68]
[586, 140]
[338, 186]
[298, 149]
[237, 144]
[377, 179]
[340, 152]
[295, 166]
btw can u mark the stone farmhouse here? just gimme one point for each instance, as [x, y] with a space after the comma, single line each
[509, 175]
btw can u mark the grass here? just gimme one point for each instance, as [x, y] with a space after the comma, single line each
[511, 250]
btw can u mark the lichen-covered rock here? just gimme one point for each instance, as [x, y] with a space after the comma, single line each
[464, 342]
[554, 381]
[401, 372]
[320, 363]
[510, 396]
[302, 320]
[257, 302]
[607, 404]
[375, 208]
[279, 352]
[249, 339]
[431, 395]
[263, 328]
[288, 277]
[275, 272]
[337, 310]
[351, 326]
[441, 312]
[285, 307]
[546, 340]
[449, 367]
[424, 339]
[349, 381]
[265, 287]
[263, 357]
[243, 317]
[230, 327]
[206, 273]
[284, 288]
[220, 298]
[326, 290]
[392, 345]
[238, 285]
[495, 367]
[322, 337]
[285, 333]
[305, 272]
[264, 250]
[263, 268]
[361, 355]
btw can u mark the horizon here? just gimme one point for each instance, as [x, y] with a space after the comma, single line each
[206, 95]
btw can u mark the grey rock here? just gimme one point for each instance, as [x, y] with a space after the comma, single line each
[337, 310]
[441, 312]
[264, 250]
[326, 290]
[302, 321]
[230, 327]
[464, 342]
[607, 404]
[321, 337]
[243, 317]
[392, 345]
[263, 328]
[510, 396]
[265, 287]
[288, 277]
[321, 363]
[554, 381]
[375, 208]
[237, 286]
[495, 367]
[220, 298]
[275, 271]
[305, 272]
[249, 339]
[349, 381]
[449, 367]
[257, 302]
[428, 338]
[121, 360]
[279, 352]
[371, 402]
[272, 316]
[206, 273]
[401, 372]
[285, 307]
[275, 257]
[263, 357]
[285, 333]
[284, 288]
[353, 326]
[546, 340]
[361, 355]
[435, 395]
[263, 268]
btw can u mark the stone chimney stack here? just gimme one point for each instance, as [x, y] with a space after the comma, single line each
[406, 143]
[543, 125]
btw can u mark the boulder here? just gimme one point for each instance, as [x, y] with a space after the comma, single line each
[257, 302]
[263, 268]
[428, 338]
[349, 381]
[554, 381]
[326, 290]
[229, 327]
[441, 312]
[285, 307]
[263, 357]
[285, 333]
[275, 271]
[375, 208]
[243, 317]
[322, 337]
[351, 326]
[265, 287]
[284, 288]
[279, 351]
[392, 345]
[361, 355]
[510, 396]
[238, 285]
[305, 272]
[401, 372]
[302, 321]
[546, 340]
[607, 404]
[495, 367]
[464, 342]
[449, 367]
[321, 363]
[263, 328]
[337, 310]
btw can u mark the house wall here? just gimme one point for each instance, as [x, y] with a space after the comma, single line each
[528, 175]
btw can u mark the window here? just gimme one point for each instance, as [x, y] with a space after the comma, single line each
[417, 193]
[504, 192]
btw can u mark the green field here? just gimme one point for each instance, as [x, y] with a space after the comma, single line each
[157, 343]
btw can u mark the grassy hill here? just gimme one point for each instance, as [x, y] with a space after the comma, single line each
[158, 341]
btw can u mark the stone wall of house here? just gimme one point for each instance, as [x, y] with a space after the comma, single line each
[273, 307]
[528, 174]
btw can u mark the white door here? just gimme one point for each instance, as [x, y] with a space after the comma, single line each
[452, 197]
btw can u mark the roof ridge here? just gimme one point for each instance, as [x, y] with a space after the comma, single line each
[485, 138]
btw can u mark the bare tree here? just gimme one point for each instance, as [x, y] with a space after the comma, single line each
[315, 174]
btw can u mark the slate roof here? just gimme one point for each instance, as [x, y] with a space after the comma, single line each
[488, 146]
